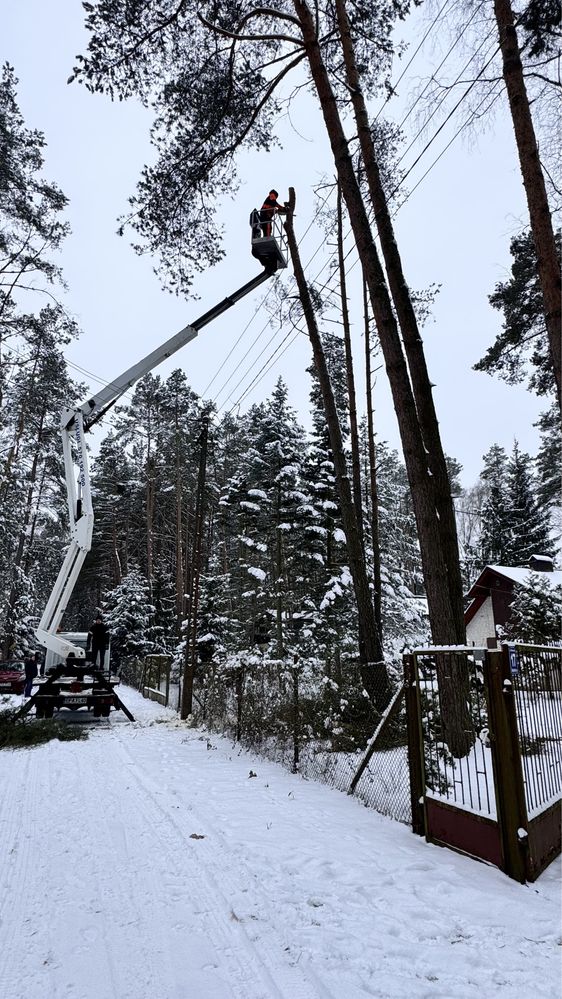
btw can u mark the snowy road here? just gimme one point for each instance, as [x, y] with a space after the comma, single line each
[147, 863]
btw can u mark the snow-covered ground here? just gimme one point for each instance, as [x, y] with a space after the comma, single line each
[156, 862]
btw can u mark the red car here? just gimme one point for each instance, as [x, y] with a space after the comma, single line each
[12, 677]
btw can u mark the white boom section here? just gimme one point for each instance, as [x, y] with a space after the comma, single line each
[115, 389]
[74, 423]
[81, 516]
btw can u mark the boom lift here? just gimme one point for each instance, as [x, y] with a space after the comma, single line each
[271, 251]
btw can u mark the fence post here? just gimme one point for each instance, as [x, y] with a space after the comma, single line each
[415, 746]
[506, 763]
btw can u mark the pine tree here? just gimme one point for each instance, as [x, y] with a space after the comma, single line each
[535, 615]
[528, 521]
[31, 481]
[128, 615]
[34, 382]
[401, 575]
[31, 226]
[127, 52]
[496, 525]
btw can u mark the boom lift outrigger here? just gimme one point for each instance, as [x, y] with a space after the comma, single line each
[271, 252]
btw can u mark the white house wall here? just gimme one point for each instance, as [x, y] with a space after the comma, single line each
[482, 626]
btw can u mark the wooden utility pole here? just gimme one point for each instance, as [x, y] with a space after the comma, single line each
[190, 661]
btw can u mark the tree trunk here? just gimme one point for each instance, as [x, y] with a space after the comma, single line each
[373, 670]
[548, 264]
[446, 626]
[375, 541]
[150, 499]
[179, 549]
[354, 433]
[279, 574]
[115, 560]
[22, 551]
[191, 634]
[413, 343]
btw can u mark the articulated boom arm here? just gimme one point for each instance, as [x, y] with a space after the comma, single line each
[74, 424]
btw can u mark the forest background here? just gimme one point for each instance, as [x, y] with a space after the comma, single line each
[260, 567]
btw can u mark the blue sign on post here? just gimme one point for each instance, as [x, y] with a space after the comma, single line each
[513, 660]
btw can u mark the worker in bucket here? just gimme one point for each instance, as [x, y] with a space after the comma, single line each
[270, 208]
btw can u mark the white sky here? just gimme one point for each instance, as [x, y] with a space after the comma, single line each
[454, 230]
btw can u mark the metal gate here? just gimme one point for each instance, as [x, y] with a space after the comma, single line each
[485, 752]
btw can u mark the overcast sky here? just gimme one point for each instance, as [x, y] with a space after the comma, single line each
[454, 230]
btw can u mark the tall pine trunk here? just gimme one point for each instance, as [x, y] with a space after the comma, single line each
[351, 394]
[441, 568]
[413, 344]
[548, 264]
[446, 624]
[190, 661]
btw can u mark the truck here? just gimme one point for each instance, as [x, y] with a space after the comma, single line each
[75, 684]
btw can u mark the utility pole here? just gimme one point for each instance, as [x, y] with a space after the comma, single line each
[190, 661]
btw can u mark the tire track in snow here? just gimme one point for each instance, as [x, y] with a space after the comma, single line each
[14, 866]
[259, 939]
[136, 903]
[124, 906]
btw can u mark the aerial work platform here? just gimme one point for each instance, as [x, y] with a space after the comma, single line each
[270, 248]
[269, 243]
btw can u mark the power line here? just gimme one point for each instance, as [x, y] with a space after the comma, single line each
[332, 256]
[394, 85]
[416, 161]
[442, 63]
[258, 308]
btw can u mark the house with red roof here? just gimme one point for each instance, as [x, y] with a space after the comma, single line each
[493, 592]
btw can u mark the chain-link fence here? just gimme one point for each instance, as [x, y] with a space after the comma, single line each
[305, 720]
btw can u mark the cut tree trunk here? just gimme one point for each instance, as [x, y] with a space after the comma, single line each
[373, 669]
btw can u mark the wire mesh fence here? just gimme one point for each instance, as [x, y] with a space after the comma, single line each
[536, 675]
[385, 782]
[474, 711]
[297, 716]
[455, 721]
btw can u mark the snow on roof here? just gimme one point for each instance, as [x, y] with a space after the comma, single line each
[523, 576]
